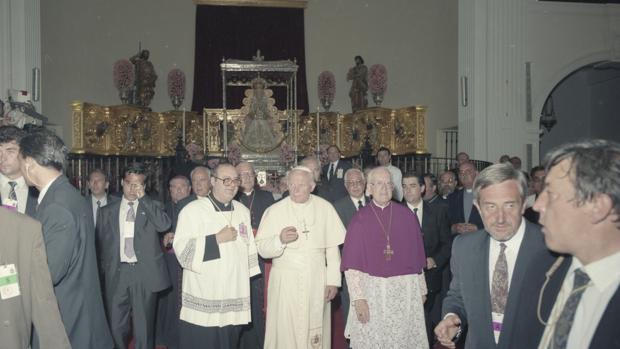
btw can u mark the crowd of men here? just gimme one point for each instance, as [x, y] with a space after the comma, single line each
[496, 258]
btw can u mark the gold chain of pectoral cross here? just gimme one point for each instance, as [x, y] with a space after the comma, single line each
[388, 252]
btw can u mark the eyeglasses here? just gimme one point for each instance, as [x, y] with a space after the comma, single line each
[383, 184]
[354, 183]
[229, 181]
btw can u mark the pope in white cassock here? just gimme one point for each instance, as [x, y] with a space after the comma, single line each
[215, 246]
[301, 234]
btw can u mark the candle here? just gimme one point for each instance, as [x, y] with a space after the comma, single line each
[318, 132]
[183, 125]
[338, 129]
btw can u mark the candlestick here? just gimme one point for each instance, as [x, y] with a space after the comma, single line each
[183, 126]
[318, 132]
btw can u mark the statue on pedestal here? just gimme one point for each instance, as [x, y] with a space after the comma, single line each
[260, 131]
[145, 79]
[359, 85]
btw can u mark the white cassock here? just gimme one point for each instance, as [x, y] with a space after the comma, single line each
[297, 314]
[216, 292]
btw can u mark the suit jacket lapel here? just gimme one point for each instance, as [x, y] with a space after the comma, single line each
[481, 282]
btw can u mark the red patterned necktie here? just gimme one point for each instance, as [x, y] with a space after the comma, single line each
[499, 286]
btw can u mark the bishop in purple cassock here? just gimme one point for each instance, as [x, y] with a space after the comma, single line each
[383, 261]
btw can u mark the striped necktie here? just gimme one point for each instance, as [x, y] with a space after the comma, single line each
[131, 217]
[12, 193]
[567, 316]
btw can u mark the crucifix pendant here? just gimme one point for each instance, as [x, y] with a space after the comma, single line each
[388, 252]
[305, 231]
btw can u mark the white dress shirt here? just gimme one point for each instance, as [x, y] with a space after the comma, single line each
[419, 213]
[126, 229]
[362, 199]
[511, 252]
[335, 167]
[21, 191]
[44, 190]
[397, 181]
[604, 281]
[102, 202]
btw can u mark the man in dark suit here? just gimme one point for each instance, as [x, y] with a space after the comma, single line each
[489, 266]
[333, 175]
[132, 260]
[23, 267]
[69, 240]
[14, 191]
[168, 303]
[437, 242]
[257, 201]
[347, 207]
[464, 215]
[430, 191]
[579, 208]
[98, 184]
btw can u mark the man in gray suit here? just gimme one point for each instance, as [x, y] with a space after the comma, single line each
[132, 260]
[23, 266]
[347, 207]
[489, 265]
[98, 184]
[69, 240]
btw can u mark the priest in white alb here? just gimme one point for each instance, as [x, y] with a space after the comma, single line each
[301, 234]
[215, 247]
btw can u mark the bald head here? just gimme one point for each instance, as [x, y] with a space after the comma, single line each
[313, 165]
[247, 175]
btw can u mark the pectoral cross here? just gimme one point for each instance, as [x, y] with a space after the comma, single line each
[388, 252]
[305, 231]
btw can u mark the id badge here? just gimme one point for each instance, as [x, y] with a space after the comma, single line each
[339, 173]
[9, 285]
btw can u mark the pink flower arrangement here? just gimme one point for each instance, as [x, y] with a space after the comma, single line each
[176, 83]
[234, 153]
[124, 74]
[287, 153]
[327, 86]
[378, 79]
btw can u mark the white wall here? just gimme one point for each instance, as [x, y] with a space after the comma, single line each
[81, 40]
[415, 40]
[497, 38]
[563, 37]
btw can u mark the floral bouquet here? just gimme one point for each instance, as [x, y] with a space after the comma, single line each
[124, 75]
[378, 79]
[176, 83]
[326, 88]
[176, 87]
[234, 153]
[287, 153]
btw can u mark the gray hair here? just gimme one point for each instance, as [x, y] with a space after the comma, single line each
[499, 173]
[374, 171]
[302, 169]
[594, 168]
[200, 168]
[351, 170]
[307, 159]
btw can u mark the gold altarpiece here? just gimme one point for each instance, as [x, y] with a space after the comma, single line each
[132, 131]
